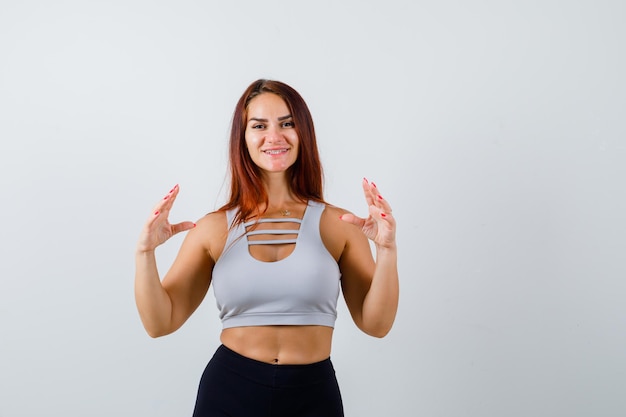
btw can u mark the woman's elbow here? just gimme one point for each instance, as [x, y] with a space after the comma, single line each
[155, 334]
[155, 330]
[378, 331]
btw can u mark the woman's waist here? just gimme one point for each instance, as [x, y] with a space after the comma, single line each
[280, 345]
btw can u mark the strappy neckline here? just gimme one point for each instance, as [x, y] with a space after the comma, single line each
[293, 241]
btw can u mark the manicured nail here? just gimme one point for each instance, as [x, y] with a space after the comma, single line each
[166, 197]
[194, 225]
[380, 197]
[365, 179]
[341, 217]
[383, 215]
[156, 213]
[374, 185]
[172, 190]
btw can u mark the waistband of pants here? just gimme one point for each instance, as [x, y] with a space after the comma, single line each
[274, 375]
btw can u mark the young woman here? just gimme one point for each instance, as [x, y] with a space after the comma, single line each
[278, 256]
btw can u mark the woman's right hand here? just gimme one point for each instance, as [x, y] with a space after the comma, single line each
[158, 228]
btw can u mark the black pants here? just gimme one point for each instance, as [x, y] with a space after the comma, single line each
[235, 386]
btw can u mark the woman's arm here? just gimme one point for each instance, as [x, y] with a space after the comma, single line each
[165, 306]
[371, 289]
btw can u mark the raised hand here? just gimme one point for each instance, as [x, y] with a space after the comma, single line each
[379, 226]
[158, 228]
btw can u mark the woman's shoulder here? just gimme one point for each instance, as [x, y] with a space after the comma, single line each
[331, 223]
[214, 220]
[334, 211]
[212, 228]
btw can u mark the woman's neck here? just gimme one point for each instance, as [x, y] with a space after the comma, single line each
[280, 198]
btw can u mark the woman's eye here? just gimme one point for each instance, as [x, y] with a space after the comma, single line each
[288, 124]
[257, 126]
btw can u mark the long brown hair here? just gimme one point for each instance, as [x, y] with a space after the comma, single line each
[247, 191]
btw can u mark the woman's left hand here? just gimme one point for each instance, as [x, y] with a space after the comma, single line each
[380, 226]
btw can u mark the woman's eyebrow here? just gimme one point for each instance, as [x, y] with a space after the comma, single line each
[280, 119]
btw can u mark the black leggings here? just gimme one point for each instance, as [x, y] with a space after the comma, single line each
[235, 386]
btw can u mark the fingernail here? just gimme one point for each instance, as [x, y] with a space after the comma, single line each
[172, 190]
[194, 225]
[365, 179]
[341, 217]
[380, 197]
[374, 185]
[156, 213]
[166, 197]
[383, 215]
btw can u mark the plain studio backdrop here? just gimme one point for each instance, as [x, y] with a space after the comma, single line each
[496, 129]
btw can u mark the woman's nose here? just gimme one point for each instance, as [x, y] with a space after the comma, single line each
[272, 134]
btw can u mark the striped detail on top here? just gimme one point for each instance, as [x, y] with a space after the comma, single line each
[273, 232]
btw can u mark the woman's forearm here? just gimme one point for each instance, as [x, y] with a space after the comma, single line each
[381, 302]
[153, 302]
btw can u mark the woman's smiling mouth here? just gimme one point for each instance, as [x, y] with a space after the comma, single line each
[275, 151]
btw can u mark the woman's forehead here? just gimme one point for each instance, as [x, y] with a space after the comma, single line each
[267, 105]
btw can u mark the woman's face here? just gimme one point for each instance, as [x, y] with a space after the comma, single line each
[270, 135]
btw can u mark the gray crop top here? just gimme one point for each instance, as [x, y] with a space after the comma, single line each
[301, 289]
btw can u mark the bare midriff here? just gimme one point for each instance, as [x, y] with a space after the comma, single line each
[280, 345]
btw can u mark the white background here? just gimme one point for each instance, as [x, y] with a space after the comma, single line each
[495, 128]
